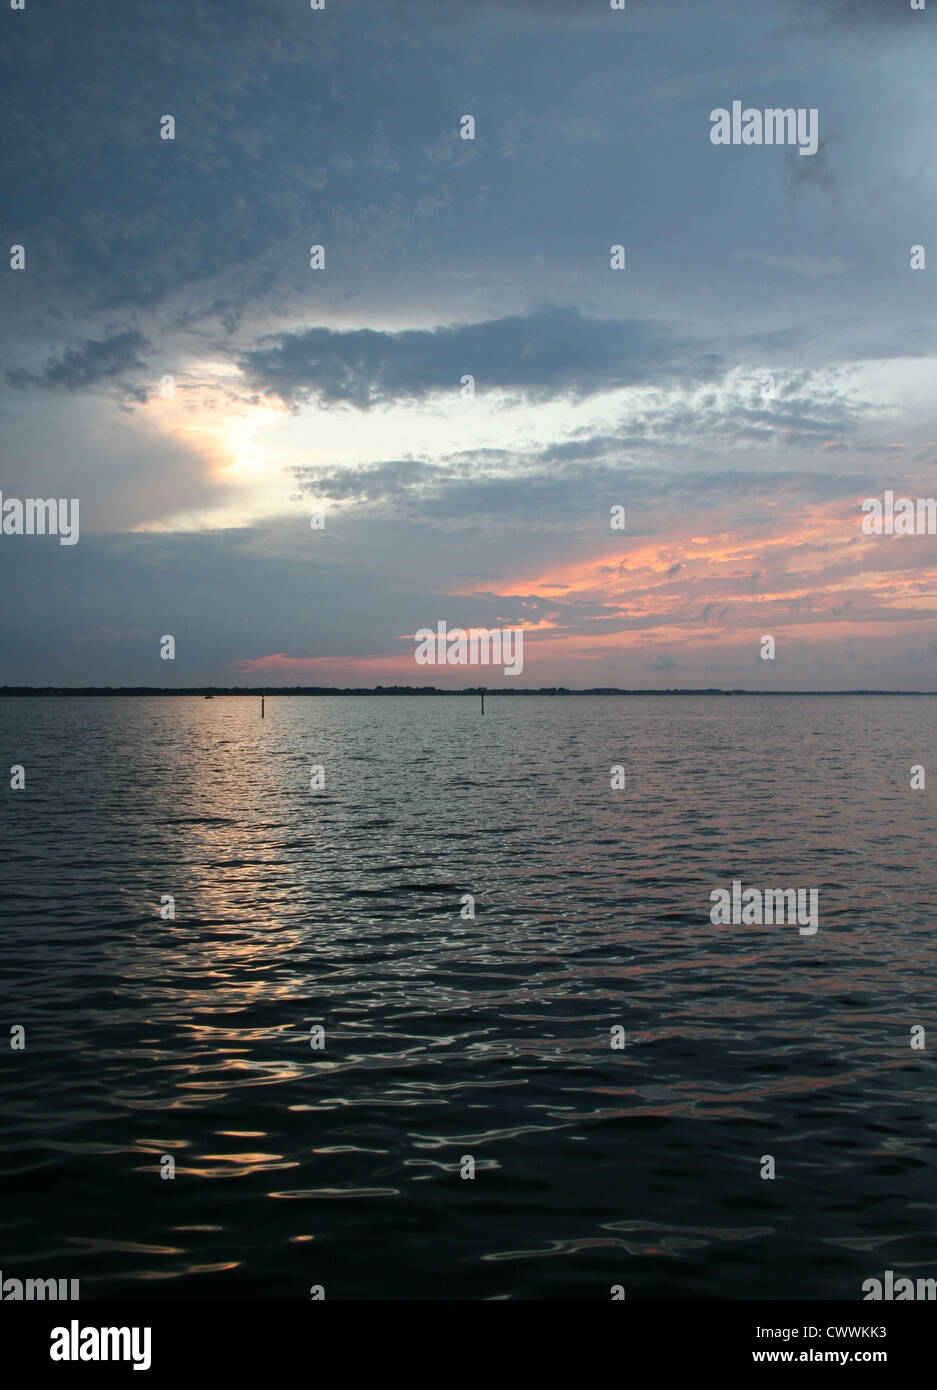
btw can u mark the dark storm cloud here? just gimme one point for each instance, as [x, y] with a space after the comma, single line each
[297, 127]
[95, 361]
[115, 214]
[554, 351]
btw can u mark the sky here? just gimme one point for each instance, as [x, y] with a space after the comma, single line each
[283, 467]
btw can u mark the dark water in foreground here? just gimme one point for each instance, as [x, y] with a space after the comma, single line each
[448, 1037]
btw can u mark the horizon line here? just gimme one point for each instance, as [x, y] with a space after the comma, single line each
[420, 690]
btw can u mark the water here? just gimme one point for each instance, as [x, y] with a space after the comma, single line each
[448, 1037]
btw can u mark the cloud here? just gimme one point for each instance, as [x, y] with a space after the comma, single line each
[294, 128]
[550, 352]
[97, 360]
[666, 448]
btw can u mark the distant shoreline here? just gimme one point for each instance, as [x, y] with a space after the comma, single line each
[254, 691]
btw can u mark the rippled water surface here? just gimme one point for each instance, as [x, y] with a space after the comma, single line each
[447, 1037]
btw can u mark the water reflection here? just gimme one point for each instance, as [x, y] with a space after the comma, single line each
[190, 1037]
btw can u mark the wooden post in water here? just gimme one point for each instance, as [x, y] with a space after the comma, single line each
[261, 704]
[483, 698]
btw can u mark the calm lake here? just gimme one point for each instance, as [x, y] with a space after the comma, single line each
[449, 1037]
